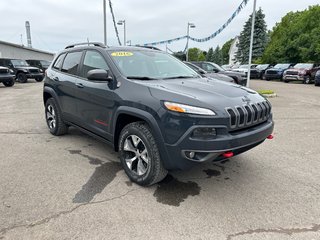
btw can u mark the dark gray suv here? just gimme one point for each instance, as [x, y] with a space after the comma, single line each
[157, 112]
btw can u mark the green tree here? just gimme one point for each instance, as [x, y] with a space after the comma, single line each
[260, 39]
[193, 54]
[225, 51]
[202, 57]
[209, 56]
[295, 38]
[217, 56]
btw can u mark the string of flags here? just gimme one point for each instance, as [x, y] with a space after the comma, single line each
[213, 35]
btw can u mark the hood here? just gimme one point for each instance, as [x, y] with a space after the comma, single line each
[202, 92]
[278, 69]
[220, 77]
[298, 69]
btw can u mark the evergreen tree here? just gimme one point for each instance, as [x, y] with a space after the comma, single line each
[260, 39]
[209, 57]
[217, 56]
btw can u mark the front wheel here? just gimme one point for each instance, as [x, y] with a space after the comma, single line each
[54, 119]
[21, 77]
[39, 79]
[9, 83]
[139, 155]
[307, 80]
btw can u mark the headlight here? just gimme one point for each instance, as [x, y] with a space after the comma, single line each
[181, 108]
[41, 70]
[11, 71]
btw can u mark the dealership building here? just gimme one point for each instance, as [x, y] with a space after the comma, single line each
[15, 51]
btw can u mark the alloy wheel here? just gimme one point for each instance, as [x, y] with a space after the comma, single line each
[136, 155]
[51, 117]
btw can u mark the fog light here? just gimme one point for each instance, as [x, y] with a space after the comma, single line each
[190, 154]
[204, 132]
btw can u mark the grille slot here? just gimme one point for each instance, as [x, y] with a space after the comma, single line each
[34, 70]
[4, 70]
[247, 115]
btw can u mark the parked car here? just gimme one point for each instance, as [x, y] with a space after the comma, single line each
[259, 71]
[22, 70]
[277, 71]
[244, 69]
[204, 73]
[304, 72]
[239, 78]
[157, 112]
[227, 67]
[7, 76]
[41, 64]
[317, 78]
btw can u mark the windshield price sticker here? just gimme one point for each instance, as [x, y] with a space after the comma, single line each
[121, 54]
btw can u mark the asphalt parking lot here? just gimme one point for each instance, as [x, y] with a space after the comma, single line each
[72, 187]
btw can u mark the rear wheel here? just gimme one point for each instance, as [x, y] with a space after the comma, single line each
[54, 119]
[9, 83]
[21, 77]
[139, 154]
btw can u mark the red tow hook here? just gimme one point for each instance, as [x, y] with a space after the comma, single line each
[270, 137]
[228, 154]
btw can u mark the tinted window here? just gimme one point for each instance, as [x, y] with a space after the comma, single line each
[58, 63]
[93, 60]
[208, 67]
[71, 63]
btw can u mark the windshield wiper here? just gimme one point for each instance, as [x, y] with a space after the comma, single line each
[141, 78]
[176, 77]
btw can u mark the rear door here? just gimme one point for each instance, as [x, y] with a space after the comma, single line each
[95, 100]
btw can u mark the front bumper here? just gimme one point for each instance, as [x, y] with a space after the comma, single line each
[293, 77]
[35, 75]
[7, 78]
[210, 150]
[270, 76]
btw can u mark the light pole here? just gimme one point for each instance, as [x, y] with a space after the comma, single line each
[104, 22]
[190, 25]
[123, 22]
[251, 41]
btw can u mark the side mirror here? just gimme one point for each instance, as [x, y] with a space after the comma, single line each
[99, 75]
[202, 71]
[215, 70]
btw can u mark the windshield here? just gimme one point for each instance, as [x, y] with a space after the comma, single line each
[262, 66]
[150, 65]
[282, 66]
[218, 67]
[304, 65]
[19, 63]
[45, 63]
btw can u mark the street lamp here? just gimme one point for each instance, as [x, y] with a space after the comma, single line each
[190, 25]
[123, 22]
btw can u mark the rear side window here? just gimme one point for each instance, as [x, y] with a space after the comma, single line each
[93, 60]
[71, 63]
[58, 62]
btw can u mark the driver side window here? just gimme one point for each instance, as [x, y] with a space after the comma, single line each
[93, 60]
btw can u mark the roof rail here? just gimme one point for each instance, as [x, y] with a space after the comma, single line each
[149, 47]
[96, 44]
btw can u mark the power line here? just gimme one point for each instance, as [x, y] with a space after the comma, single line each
[114, 23]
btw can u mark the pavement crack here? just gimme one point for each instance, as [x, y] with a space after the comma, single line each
[3, 231]
[286, 231]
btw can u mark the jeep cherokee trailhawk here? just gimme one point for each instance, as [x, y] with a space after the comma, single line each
[156, 111]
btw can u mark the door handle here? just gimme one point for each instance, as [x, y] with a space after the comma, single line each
[79, 85]
[55, 79]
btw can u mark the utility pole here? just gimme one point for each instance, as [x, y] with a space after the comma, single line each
[105, 22]
[190, 25]
[251, 41]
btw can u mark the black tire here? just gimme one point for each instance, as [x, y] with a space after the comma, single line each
[153, 170]
[9, 83]
[21, 77]
[317, 83]
[286, 81]
[53, 118]
[39, 79]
